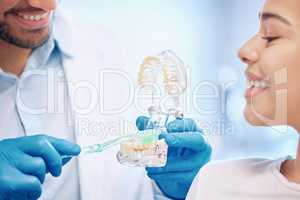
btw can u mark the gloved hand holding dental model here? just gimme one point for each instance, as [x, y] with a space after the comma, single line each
[187, 153]
[25, 161]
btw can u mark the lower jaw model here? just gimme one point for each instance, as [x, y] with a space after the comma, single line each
[140, 153]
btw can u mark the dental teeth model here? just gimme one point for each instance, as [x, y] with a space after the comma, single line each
[149, 71]
[145, 150]
[167, 73]
[174, 73]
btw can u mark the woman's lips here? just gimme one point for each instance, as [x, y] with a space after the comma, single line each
[32, 22]
[254, 91]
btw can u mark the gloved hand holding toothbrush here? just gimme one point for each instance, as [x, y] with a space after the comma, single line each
[25, 161]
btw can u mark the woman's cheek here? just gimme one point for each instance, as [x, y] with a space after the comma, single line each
[293, 88]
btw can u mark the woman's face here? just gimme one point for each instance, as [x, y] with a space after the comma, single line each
[273, 66]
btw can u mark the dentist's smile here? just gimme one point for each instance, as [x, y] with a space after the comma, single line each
[31, 20]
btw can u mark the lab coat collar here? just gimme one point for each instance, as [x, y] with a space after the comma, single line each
[62, 33]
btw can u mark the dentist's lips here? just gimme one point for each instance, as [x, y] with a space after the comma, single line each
[256, 85]
[31, 21]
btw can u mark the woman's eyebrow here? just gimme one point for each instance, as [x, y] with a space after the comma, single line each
[267, 15]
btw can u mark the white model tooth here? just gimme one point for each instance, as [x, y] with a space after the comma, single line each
[32, 18]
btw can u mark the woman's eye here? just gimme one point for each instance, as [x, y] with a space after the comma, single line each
[270, 39]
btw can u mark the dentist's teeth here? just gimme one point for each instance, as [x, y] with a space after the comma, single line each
[33, 17]
[37, 18]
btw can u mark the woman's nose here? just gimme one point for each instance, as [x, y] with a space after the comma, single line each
[249, 52]
[47, 5]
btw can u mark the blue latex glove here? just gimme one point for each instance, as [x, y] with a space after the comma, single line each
[25, 161]
[187, 153]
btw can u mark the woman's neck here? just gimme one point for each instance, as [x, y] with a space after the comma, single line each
[291, 168]
[12, 58]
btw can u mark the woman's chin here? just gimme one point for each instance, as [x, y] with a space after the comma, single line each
[252, 118]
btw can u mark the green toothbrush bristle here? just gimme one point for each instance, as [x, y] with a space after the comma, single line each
[149, 136]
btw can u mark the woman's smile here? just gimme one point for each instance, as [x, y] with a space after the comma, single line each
[256, 85]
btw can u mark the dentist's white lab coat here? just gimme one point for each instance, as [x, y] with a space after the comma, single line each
[100, 175]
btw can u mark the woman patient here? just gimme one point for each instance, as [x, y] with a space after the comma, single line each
[272, 57]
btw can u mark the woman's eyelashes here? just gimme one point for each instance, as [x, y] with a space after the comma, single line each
[270, 39]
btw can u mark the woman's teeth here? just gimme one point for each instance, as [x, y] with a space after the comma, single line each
[33, 17]
[258, 84]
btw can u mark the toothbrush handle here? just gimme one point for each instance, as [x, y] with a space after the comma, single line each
[97, 148]
[113, 142]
